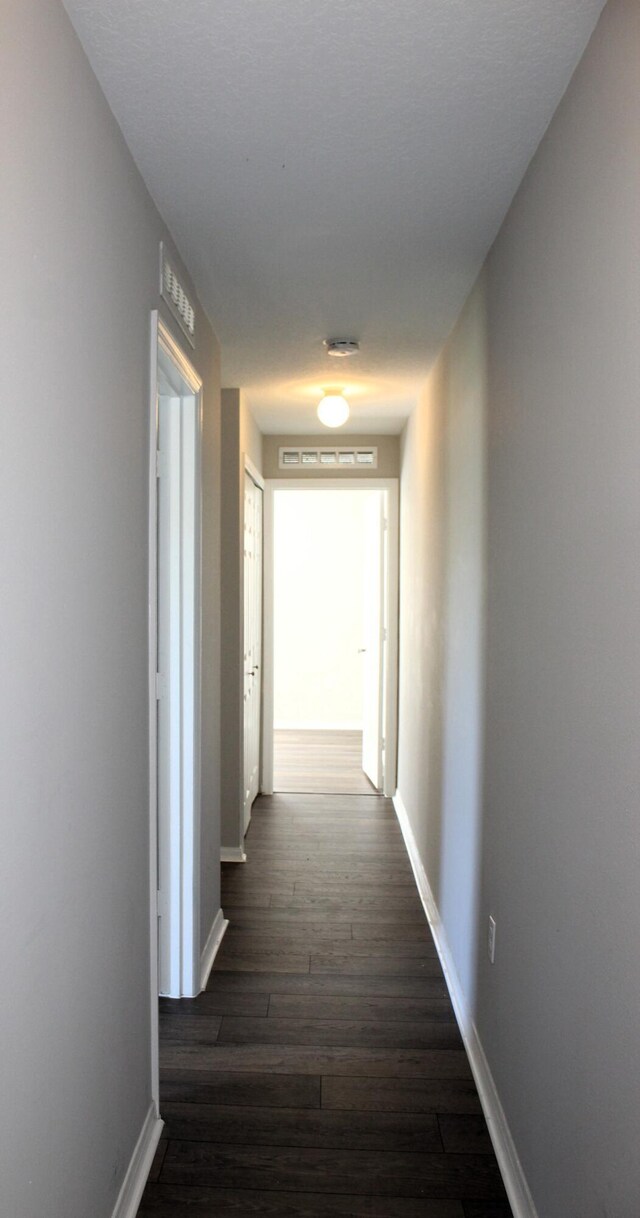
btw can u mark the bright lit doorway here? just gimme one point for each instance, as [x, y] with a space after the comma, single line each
[330, 636]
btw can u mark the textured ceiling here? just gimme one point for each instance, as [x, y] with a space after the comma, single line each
[335, 168]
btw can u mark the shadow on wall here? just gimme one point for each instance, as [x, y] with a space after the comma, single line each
[463, 640]
[442, 630]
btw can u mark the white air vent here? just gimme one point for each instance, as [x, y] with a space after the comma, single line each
[343, 459]
[342, 347]
[175, 296]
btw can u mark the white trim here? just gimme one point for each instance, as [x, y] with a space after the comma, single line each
[187, 968]
[515, 1182]
[266, 759]
[253, 471]
[390, 485]
[133, 1185]
[152, 733]
[250, 791]
[232, 854]
[174, 350]
[214, 939]
[392, 609]
[345, 725]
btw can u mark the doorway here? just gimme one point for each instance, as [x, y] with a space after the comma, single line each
[330, 642]
[175, 663]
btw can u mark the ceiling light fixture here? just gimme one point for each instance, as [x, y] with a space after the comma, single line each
[333, 410]
[342, 347]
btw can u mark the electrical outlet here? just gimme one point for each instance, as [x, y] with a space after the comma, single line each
[491, 940]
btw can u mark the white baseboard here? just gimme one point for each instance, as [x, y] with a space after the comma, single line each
[510, 1166]
[232, 854]
[214, 940]
[344, 725]
[138, 1170]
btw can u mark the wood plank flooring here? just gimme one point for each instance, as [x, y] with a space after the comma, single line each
[319, 761]
[322, 1072]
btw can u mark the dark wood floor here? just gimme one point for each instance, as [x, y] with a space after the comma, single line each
[319, 761]
[322, 1072]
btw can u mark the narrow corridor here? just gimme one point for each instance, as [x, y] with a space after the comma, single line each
[322, 1072]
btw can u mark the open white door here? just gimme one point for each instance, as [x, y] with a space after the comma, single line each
[252, 650]
[374, 638]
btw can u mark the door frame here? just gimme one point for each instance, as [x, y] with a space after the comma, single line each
[163, 339]
[390, 725]
[250, 469]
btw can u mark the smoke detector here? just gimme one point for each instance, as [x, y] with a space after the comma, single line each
[341, 347]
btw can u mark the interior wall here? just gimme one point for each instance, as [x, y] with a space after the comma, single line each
[231, 551]
[80, 270]
[442, 629]
[561, 842]
[551, 332]
[420, 622]
[318, 608]
[465, 405]
[251, 439]
[240, 436]
[206, 358]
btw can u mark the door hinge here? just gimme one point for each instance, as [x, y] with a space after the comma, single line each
[159, 686]
[385, 524]
[384, 744]
[159, 904]
[159, 464]
[384, 634]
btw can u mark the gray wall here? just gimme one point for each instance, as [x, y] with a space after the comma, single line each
[240, 436]
[561, 850]
[80, 266]
[251, 438]
[388, 455]
[442, 629]
[463, 635]
[207, 357]
[546, 364]
[420, 633]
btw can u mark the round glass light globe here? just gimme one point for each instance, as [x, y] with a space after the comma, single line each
[333, 410]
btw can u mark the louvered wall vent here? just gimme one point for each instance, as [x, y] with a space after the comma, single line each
[344, 459]
[176, 298]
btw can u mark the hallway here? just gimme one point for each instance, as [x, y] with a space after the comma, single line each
[322, 1072]
[422, 216]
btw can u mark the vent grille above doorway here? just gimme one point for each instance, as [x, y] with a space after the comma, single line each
[176, 298]
[344, 459]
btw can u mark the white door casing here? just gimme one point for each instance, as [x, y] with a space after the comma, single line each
[177, 663]
[390, 618]
[252, 644]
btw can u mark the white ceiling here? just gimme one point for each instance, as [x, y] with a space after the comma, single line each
[333, 169]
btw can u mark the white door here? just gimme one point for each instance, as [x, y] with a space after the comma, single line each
[178, 678]
[252, 650]
[374, 638]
